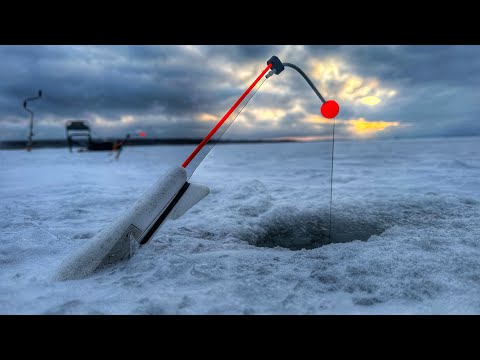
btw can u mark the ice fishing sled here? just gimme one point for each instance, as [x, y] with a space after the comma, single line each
[79, 135]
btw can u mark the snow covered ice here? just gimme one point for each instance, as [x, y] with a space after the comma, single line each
[406, 230]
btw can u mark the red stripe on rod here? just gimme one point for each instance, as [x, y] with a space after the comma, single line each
[225, 117]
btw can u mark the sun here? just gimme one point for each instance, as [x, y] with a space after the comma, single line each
[370, 100]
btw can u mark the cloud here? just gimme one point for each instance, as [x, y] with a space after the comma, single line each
[207, 117]
[180, 91]
[363, 127]
[370, 100]
[341, 83]
[353, 127]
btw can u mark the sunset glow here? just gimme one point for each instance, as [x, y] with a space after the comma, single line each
[367, 128]
[370, 100]
[207, 117]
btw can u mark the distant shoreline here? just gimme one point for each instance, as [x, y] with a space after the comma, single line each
[60, 143]
[43, 144]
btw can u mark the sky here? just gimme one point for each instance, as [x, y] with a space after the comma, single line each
[167, 91]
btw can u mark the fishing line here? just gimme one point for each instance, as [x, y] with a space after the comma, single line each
[173, 195]
[229, 124]
[322, 99]
[331, 181]
[225, 117]
[276, 67]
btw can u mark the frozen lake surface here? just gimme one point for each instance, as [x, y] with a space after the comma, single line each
[406, 230]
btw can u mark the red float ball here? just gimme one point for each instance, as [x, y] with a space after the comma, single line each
[330, 109]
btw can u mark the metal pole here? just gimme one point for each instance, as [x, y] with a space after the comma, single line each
[30, 133]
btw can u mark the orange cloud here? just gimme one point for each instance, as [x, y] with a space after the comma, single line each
[304, 138]
[207, 117]
[318, 119]
[370, 100]
[267, 114]
[360, 126]
[338, 81]
[363, 127]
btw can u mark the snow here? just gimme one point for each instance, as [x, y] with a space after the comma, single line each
[405, 216]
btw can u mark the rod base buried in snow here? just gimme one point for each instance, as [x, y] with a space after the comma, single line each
[120, 239]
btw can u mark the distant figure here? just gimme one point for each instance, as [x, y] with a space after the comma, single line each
[118, 146]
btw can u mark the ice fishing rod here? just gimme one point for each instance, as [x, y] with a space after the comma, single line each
[30, 133]
[329, 109]
[276, 67]
[169, 198]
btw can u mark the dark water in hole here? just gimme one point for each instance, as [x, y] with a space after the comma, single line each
[298, 230]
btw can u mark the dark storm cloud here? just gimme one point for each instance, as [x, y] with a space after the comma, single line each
[450, 65]
[165, 89]
[111, 81]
